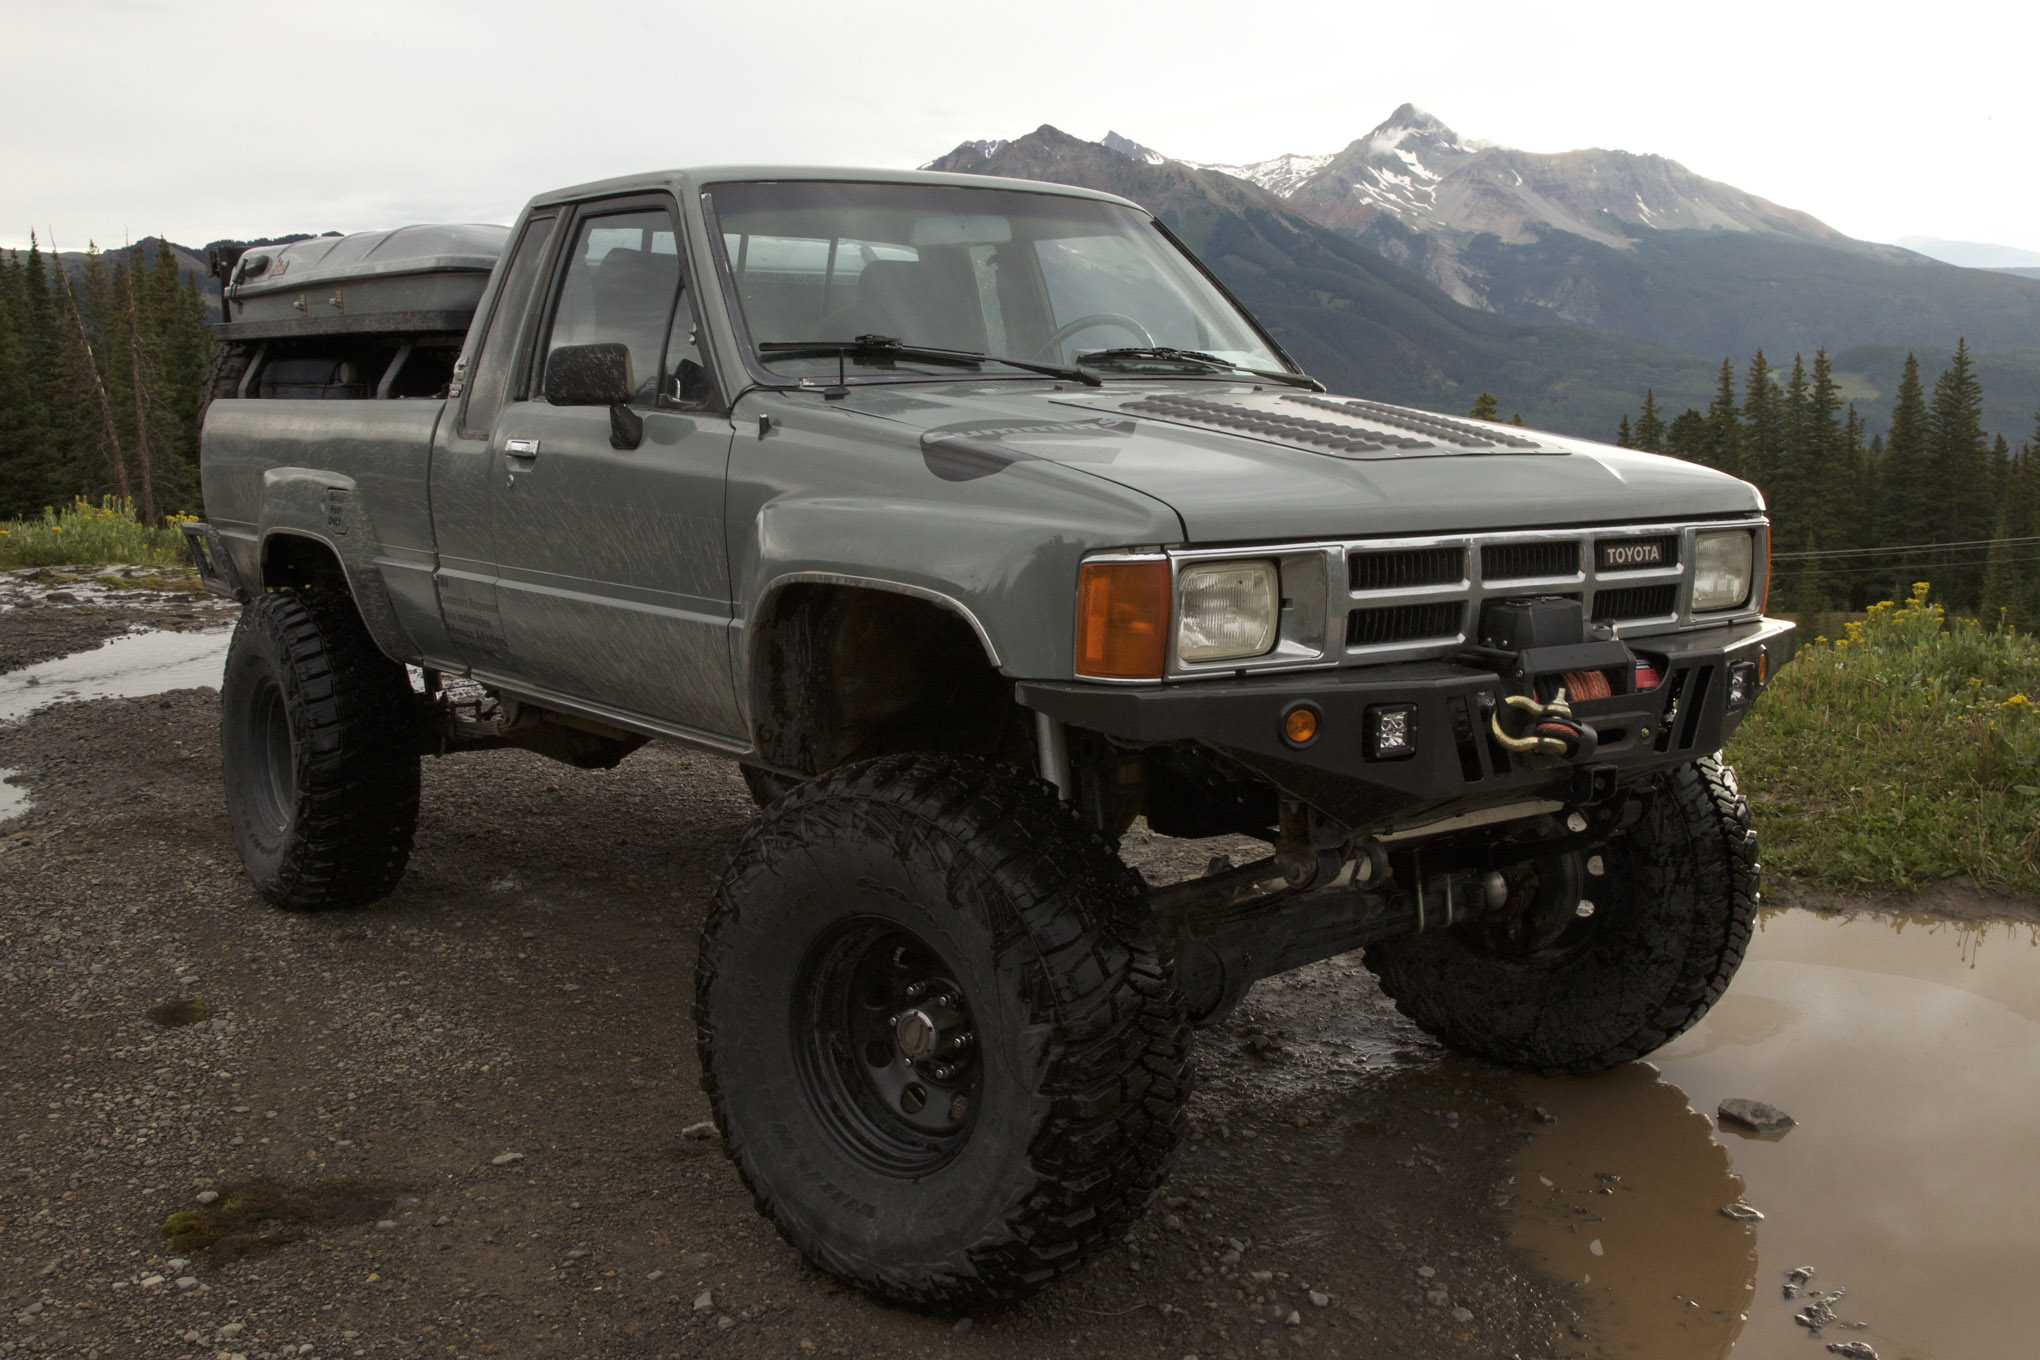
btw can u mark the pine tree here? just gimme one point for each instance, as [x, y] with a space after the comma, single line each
[1902, 485]
[2011, 587]
[1484, 407]
[1763, 433]
[1959, 467]
[1687, 437]
[1622, 439]
[1724, 428]
[1649, 432]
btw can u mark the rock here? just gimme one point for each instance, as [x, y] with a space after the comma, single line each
[655, 1275]
[1229, 1257]
[1171, 1223]
[726, 1322]
[1462, 1315]
[699, 1132]
[1319, 1300]
[187, 1281]
[1437, 1298]
[506, 1158]
[1295, 1319]
[704, 1302]
[962, 1327]
[1260, 1276]
[1426, 1272]
[385, 1224]
[176, 1263]
[1754, 1115]
[1795, 1278]
[1742, 1213]
[1854, 1350]
[31, 1310]
[151, 1281]
[208, 1196]
[1545, 1115]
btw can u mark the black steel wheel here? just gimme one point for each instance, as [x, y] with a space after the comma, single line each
[943, 1050]
[319, 752]
[1567, 990]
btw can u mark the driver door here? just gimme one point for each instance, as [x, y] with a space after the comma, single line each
[612, 576]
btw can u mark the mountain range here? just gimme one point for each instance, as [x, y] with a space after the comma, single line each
[1624, 271]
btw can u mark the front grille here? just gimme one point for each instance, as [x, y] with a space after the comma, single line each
[1529, 561]
[1399, 568]
[1635, 602]
[1404, 623]
[1637, 554]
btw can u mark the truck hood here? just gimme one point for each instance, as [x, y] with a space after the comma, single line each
[1239, 463]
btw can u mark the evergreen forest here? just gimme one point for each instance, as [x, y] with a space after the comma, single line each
[99, 381]
[1934, 497]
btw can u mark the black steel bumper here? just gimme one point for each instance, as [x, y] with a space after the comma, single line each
[1455, 763]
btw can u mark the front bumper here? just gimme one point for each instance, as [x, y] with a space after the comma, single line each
[1455, 765]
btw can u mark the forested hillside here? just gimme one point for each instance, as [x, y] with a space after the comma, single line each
[99, 381]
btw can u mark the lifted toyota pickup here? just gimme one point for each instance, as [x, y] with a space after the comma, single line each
[976, 520]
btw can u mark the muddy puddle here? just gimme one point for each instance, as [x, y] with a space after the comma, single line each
[125, 667]
[13, 798]
[1908, 1050]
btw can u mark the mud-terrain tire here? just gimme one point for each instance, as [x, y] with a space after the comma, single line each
[1673, 915]
[319, 749]
[223, 374]
[956, 881]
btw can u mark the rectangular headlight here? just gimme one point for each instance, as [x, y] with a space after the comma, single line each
[1721, 569]
[1226, 611]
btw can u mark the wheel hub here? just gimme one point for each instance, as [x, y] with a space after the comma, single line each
[891, 1047]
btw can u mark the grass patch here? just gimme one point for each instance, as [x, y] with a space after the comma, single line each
[1905, 751]
[86, 534]
[254, 1217]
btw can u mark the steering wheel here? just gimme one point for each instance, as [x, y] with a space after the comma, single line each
[1052, 346]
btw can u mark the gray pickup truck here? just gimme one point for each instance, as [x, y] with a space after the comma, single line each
[976, 520]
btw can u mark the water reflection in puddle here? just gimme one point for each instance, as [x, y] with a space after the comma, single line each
[125, 667]
[13, 798]
[1908, 1049]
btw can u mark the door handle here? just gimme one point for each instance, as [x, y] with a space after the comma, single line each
[521, 448]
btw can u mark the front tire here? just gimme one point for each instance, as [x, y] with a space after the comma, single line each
[319, 750]
[1672, 918]
[869, 919]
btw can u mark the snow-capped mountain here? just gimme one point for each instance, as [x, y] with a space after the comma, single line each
[1132, 150]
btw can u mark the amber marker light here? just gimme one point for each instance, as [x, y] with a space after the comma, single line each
[1123, 620]
[1300, 725]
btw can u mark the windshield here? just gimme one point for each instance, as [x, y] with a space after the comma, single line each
[998, 272]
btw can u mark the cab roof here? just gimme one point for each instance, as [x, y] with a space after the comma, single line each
[701, 177]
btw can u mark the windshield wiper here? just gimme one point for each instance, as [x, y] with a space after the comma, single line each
[892, 348]
[1196, 356]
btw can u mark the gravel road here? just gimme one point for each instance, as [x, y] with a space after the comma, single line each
[484, 1091]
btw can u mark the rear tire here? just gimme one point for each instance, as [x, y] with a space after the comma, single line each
[1672, 918]
[319, 749]
[947, 887]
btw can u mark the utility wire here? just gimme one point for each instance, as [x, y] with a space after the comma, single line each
[1970, 544]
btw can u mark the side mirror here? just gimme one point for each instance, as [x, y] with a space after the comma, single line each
[597, 375]
[589, 375]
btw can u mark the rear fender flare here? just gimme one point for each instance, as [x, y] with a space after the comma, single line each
[326, 508]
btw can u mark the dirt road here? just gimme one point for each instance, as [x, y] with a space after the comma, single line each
[502, 1052]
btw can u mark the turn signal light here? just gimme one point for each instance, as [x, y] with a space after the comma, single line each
[1300, 725]
[1123, 620]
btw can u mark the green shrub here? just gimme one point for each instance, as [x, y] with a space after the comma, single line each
[1906, 751]
[84, 534]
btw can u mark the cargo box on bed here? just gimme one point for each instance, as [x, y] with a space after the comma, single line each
[416, 280]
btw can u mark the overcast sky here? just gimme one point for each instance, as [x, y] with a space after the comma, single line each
[198, 121]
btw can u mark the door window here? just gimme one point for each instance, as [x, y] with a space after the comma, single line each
[619, 288]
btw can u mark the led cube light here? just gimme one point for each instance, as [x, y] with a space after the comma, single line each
[1391, 731]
